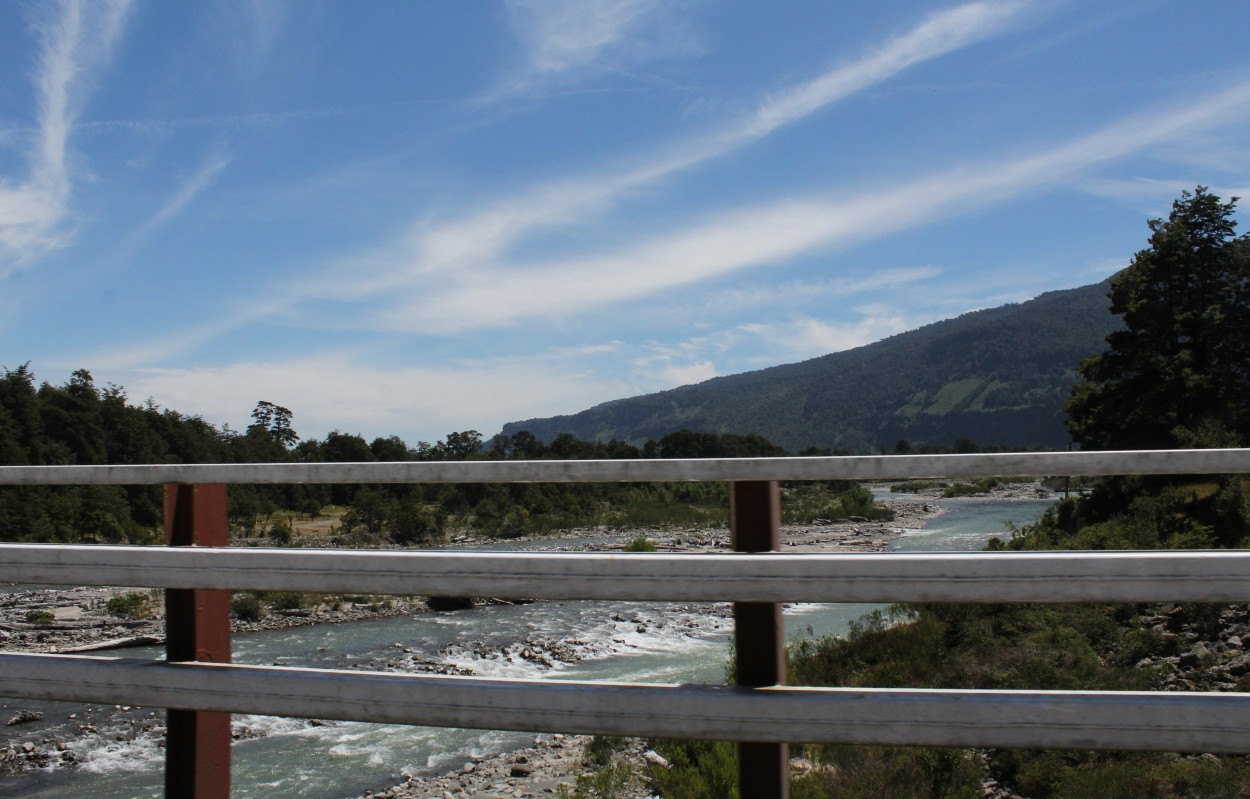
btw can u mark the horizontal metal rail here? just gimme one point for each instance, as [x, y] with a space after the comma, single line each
[855, 467]
[1171, 576]
[1179, 721]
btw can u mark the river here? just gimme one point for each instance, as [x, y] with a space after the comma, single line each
[631, 642]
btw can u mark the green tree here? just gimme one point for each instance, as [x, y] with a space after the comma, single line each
[274, 421]
[1178, 374]
[462, 446]
[391, 448]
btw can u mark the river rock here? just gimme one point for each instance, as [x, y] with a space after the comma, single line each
[23, 717]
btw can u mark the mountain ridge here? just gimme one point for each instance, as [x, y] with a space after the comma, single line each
[997, 376]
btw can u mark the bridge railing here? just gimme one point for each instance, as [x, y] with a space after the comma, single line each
[200, 687]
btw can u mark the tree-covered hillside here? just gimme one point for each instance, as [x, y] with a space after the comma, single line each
[997, 377]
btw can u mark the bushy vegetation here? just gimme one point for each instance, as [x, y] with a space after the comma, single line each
[830, 501]
[41, 618]
[696, 769]
[133, 605]
[612, 776]
[246, 606]
[1060, 647]
[982, 486]
[640, 543]
[914, 486]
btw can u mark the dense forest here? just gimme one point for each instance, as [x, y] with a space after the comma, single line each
[81, 423]
[998, 376]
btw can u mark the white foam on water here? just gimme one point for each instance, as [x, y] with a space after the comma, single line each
[803, 608]
[370, 753]
[555, 642]
[482, 743]
[274, 725]
[103, 754]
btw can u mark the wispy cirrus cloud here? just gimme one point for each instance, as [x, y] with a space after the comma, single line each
[182, 196]
[76, 40]
[806, 337]
[940, 34]
[562, 35]
[788, 293]
[482, 236]
[771, 234]
[574, 42]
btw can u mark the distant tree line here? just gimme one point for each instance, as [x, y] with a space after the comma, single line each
[82, 423]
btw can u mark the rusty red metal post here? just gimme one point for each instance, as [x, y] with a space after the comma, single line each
[197, 627]
[759, 635]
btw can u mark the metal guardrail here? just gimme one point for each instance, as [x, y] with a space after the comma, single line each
[850, 467]
[1182, 576]
[201, 687]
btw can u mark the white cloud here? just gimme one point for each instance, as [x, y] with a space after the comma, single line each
[1105, 267]
[788, 293]
[806, 337]
[942, 33]
[1153, 197]
[686, 374]
[343, 391]
[1137, 191]
[562, 35]
[493, 295]
[182, 196]
[75, 42]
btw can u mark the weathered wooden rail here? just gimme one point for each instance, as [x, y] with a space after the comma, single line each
[201, 688]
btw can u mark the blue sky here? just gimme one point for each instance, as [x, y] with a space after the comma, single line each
[413, 218]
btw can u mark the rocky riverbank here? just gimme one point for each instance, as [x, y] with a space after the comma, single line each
[549, 767]
[79, 619]
[73, 620]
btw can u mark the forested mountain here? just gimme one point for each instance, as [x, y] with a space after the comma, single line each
[996, 377]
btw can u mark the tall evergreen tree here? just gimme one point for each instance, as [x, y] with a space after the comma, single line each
[1178, 374]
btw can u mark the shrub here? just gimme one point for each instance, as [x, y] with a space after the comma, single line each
[697, 769]
[285, 600]
[982, 486]
[612, 780]
[281, 532]
[858, 502]
[40, 617]
[133, 605]
[913, 486]
[246, 607]
[640, 543]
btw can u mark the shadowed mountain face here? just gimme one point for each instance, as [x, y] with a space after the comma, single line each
[996, 377]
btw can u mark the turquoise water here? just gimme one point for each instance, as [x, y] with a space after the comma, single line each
[681, 643]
